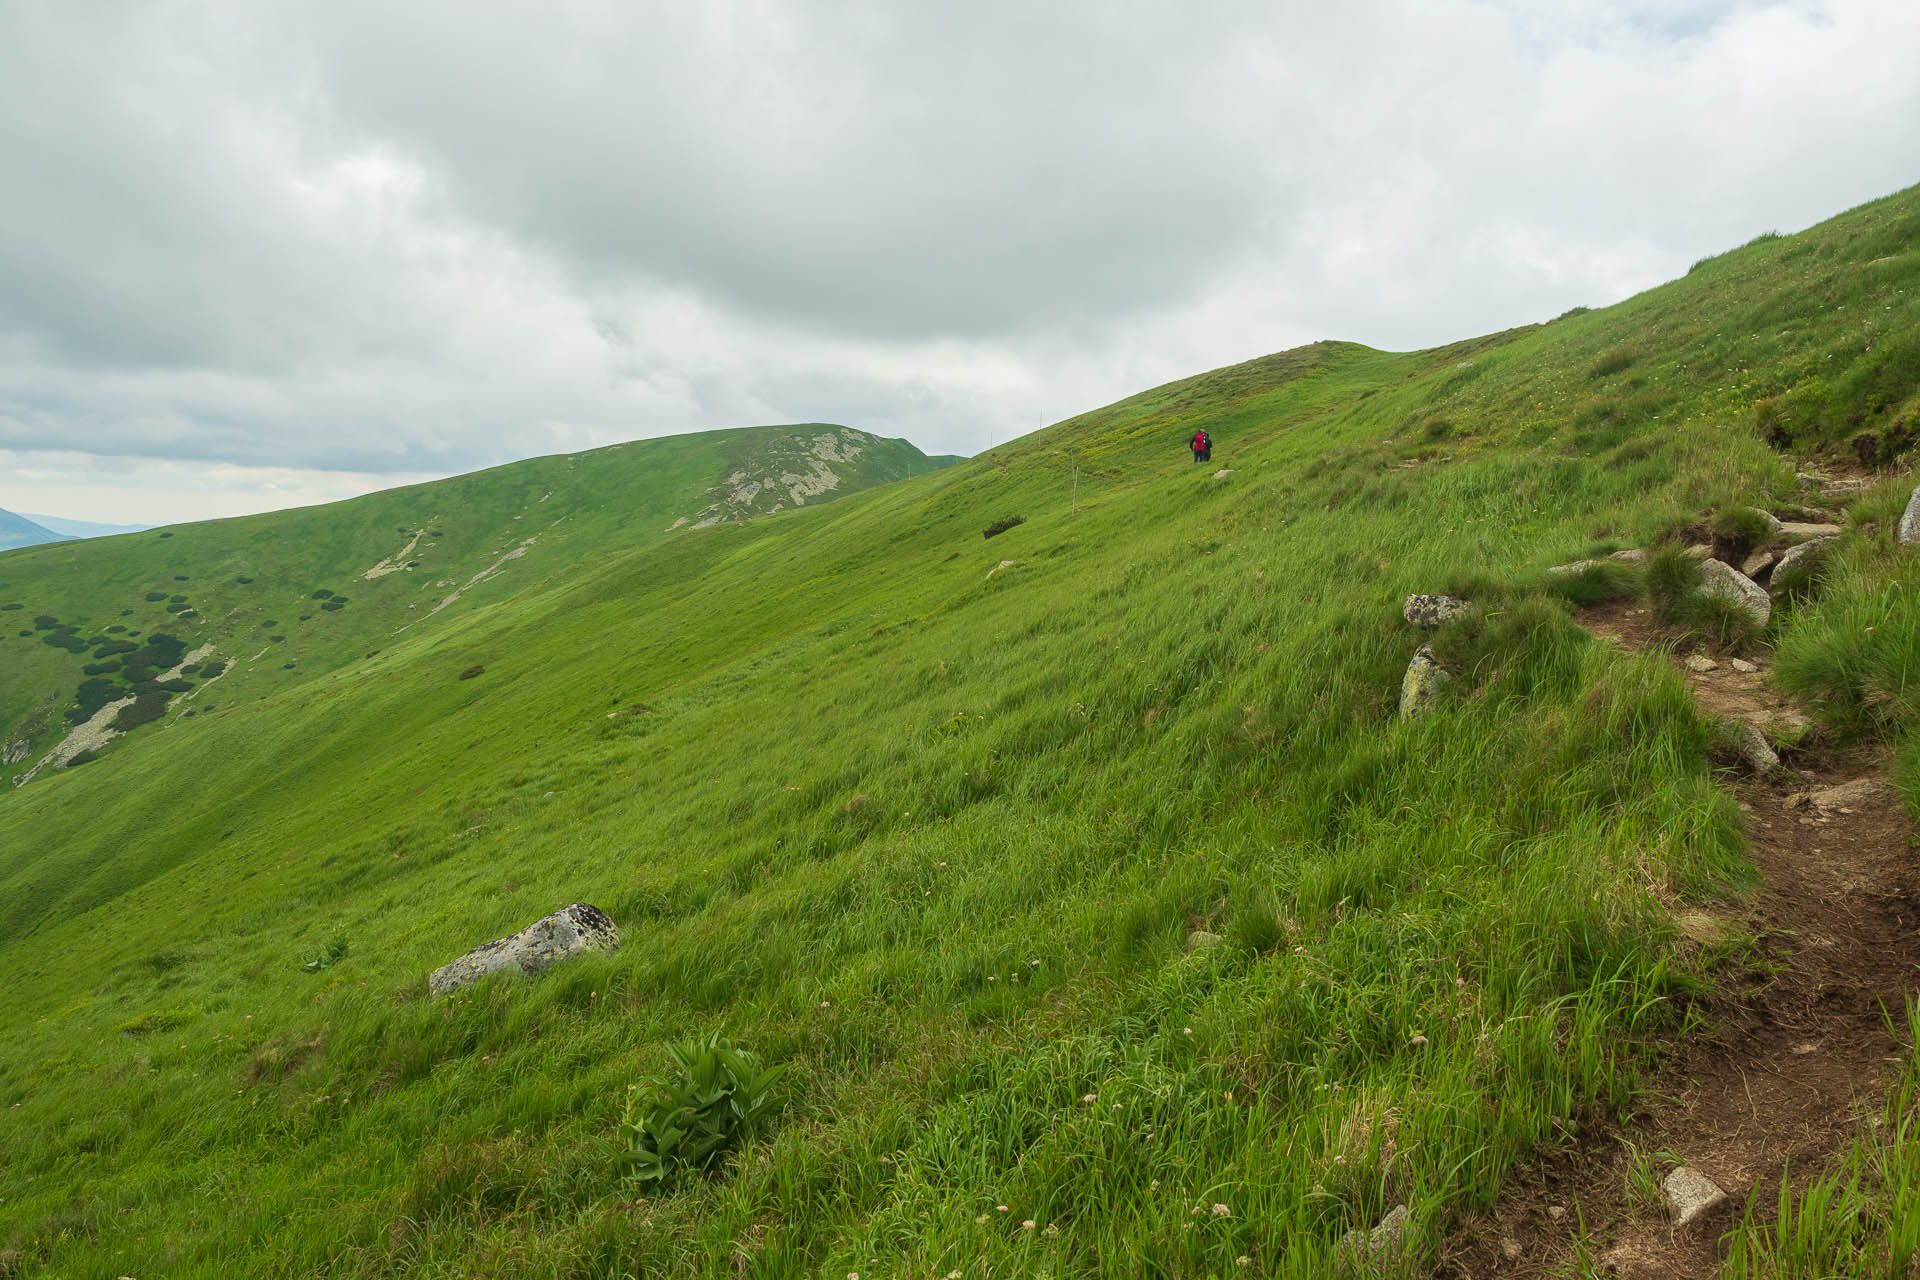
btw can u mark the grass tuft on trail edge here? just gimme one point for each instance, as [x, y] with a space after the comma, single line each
[1111, 896]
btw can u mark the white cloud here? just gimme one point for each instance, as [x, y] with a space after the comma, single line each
[359, 241]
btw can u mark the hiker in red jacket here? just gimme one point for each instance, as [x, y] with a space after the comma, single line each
[1202, 446]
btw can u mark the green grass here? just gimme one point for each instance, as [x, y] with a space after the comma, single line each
[930, 839]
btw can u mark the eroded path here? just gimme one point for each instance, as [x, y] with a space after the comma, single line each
[1789, 1064]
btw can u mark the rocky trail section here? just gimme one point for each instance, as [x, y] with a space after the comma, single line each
[1787, 1066]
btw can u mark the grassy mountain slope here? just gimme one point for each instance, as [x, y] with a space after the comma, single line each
[18, 531]
[283, 598]
[931, 818]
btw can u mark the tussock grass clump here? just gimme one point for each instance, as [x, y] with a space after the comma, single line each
[1603, 582]
[1532, 646]
[1857, 659]
[1612, 362]
[1737, 529]
[1669, 577]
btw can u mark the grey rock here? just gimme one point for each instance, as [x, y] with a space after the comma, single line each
[1844, 798]
[1800, 531]
[560, 936]
[1632, 555]
[1791, 559]
[1223, 473]
[1744, 667]
[1431, 611]
[1754, 565]
[1384, 1242]
[1773, 521]
[1910, 522]
[1728, 583]
[1699, 551]
[1422, 683]
[1751, 744]
[1575, 567]
[1700, 663]
[1691, 1193]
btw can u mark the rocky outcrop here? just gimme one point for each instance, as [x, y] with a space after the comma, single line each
[1801, 531]
[1717, 578]
[1430, 611]
[560, 936]
[1632, 555]
[1422, 683]
[1796, 556]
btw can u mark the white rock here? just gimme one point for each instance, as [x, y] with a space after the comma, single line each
[1751, 744]
[1910, 522]
[1791, 558]
[1690, 1193]
[1798, 531]
[1223, 473]
[1701, 663]
[1744, 667]
[1575, 567]
[560, 936]
[1632, 555]
[1756, 562]
[1728, 583]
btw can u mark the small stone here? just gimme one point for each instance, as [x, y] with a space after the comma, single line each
[1383, 1243]
[1728, 583]
[1843, 798]
[1430, 611]
[1744, 667]
[1757, 563]
[1200, 940]
[1699, 551]
[1575, 567]
[1004, 564]
[1690, 1193]
[1751, 745]
[1701, 663]
[1632, 555]
[1556, 1212]
[1509, 1248]
[1223, 473]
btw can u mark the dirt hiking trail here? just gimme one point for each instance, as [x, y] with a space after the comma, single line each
[1790, 1062]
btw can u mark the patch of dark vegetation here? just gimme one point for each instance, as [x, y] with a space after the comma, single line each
[1003, 524]
[83, 757]
[135, 674]
[277, 639]
[113, 648]
[92, 695]
[144, 708]
[115, 629]
[10, 608]
[45, 622]
[190, 669]
[435, 534]
[177, 599]
[100, 668]
[1613, 362]
[321, 594]
[167, 535]
[333, 606]
[180, 577]
[65, 640]
[1571, 312]
[270, 623]
[471, 672]
[245, 582]
[286, 666]
[176, 686]
[155, 597]
[213, 669]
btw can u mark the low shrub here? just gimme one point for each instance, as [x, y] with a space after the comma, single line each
[114, 648]
[212, 669]
[321, 594]
[155, 597]
[100, 668]
[10, 608]
[719, 1101]
[45, 622]
[1003, 524]
[333, 606]
[144, 707]
[65, 640]
[471, 672]
[176, 686]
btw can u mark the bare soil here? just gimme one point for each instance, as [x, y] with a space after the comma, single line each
[1794, 1056]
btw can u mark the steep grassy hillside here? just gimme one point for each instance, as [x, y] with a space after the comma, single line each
[931, 819]
[270, 602]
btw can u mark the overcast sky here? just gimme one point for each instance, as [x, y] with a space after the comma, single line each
[256, 254]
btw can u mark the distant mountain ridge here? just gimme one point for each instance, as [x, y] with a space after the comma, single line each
[83, 528]
[18, 531]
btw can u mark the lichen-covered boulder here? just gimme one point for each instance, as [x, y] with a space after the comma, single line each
[1718, 578]
[1431, 611]
[566, 933]
[1796, 556]
[1422, 683]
